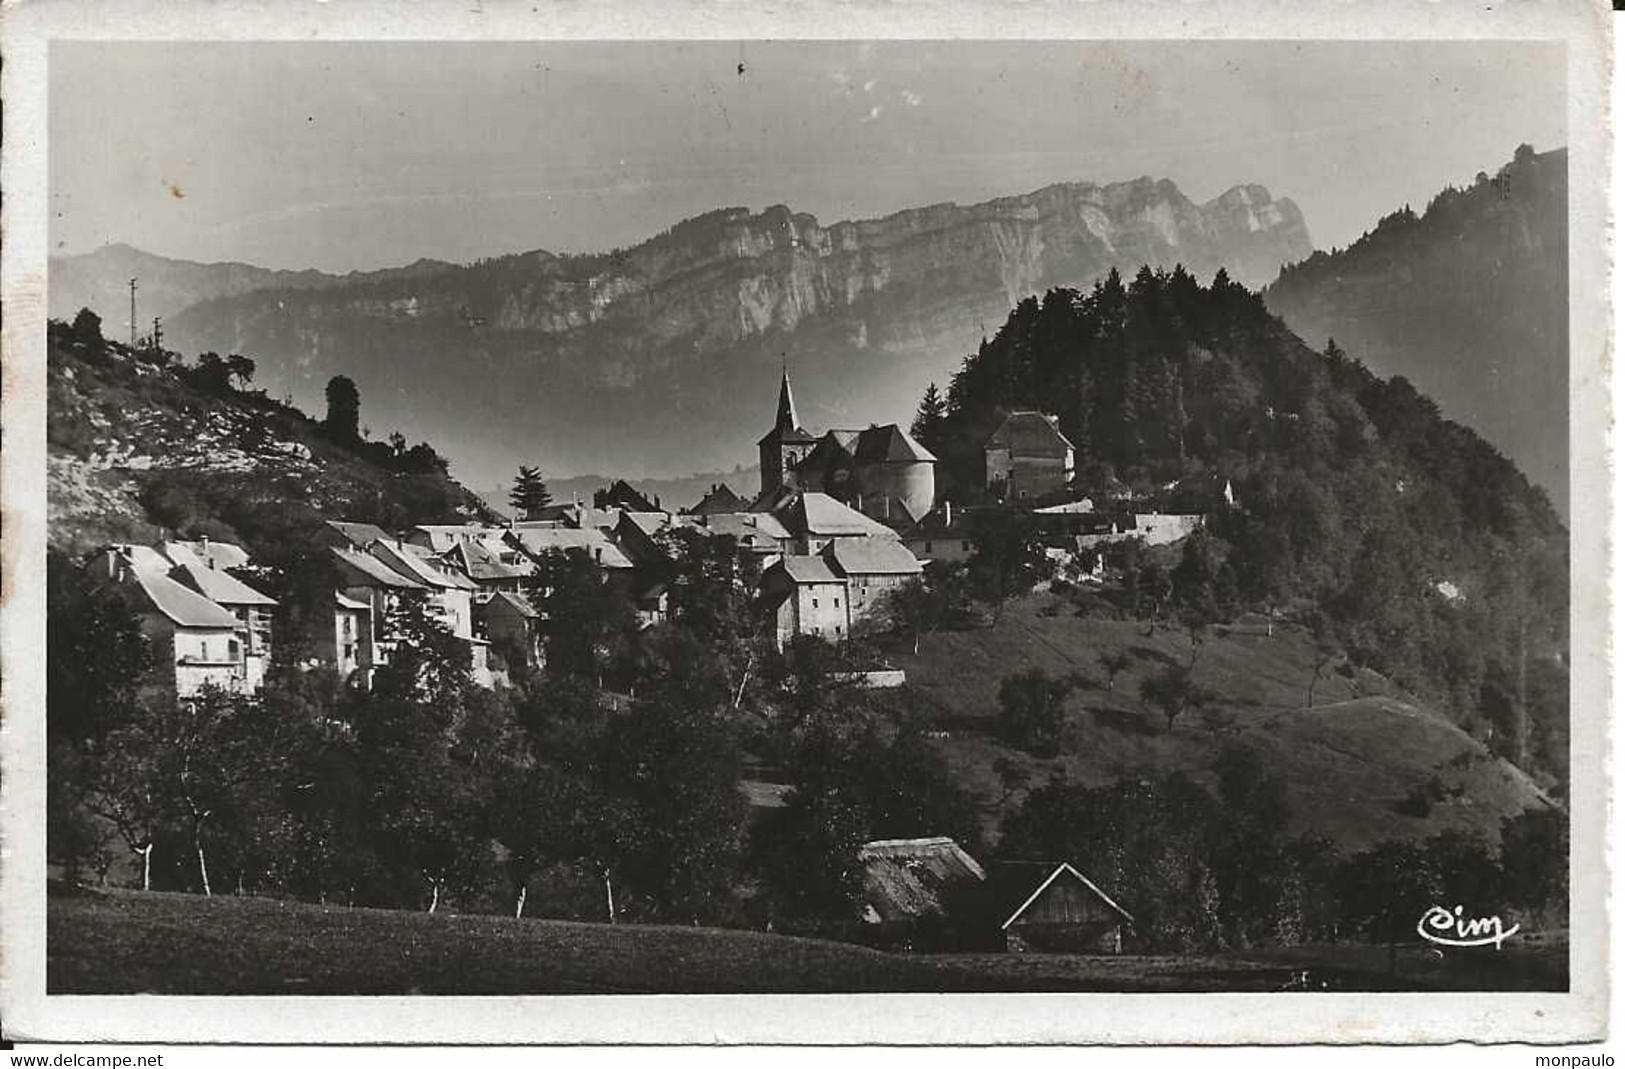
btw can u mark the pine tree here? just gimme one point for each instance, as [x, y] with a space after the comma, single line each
[928, 419]
[529, 494]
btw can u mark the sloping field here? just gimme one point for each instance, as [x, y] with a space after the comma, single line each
[1349, 763]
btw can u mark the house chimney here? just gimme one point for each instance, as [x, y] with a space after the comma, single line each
[885, 506]
[203, 548]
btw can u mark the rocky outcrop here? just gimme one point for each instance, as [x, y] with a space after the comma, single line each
[660, 357]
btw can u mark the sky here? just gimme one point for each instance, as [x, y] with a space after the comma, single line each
[347, 156]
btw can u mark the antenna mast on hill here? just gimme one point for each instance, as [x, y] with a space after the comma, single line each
[132, 313]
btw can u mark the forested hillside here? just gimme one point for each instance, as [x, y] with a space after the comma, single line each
[1400, 535]
[1469, 300]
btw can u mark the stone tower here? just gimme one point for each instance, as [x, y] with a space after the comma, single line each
[782, 448]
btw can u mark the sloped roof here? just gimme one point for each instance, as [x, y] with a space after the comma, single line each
[719, 499]
[593, 542]
[520, 604]
[818, 513]
[220, 554]
[650, 523]
[872, 556]
[218, 586]
[478, 561]
[416, 562]
[444, 536]
[374, 571]
[622, 494]
[904, 878]
[350, 603]
[890, 444]
[1017, 885]
[141, 557]
[358, 534]
[834, 450]
[786, 424]
[807, 569]
[934, 524]
[1029, 434]
[186, 608]
[758, 527]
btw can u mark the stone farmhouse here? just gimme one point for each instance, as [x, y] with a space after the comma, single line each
[1028, 457]
[197, 642]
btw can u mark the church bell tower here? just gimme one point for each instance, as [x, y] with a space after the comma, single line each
[783, 447]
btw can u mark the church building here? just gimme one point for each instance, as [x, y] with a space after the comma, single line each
[880, 471]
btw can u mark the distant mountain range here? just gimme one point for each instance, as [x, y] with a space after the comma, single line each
[1468, 300]
[664, 357]
[100, 280]
[675, 494]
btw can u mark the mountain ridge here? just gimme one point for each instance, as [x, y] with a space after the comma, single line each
[659, 358]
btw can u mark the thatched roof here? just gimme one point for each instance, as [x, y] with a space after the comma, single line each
[904, 879]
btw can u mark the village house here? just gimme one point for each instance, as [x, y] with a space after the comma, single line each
[450, 593]
[622, 495]
[250, 608]
[535, 540]
[449, 596]
[943, 534]
[718, 500]
[759, 535]
[512, 625]
[815, 519]
[806, 597]
[345, 535]
[350, 653]
[490, 565]
[1028, 457]
[872, 568]
[195, 641]
[213, 553]
[382, 589]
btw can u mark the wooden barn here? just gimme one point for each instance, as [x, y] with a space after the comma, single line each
[1052, 907]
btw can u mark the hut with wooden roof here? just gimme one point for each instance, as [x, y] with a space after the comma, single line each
[911, 888]
[1050, 906]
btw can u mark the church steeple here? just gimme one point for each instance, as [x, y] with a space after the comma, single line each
[786, 420]
[783, 447]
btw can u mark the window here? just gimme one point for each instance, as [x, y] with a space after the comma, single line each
[928, 547]
[815, 603]
[965, 545]
[837, 605]
[231, 649]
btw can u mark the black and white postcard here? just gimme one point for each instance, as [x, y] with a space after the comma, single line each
[1031, 516]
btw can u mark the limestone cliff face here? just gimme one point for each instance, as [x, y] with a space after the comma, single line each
[677, 336]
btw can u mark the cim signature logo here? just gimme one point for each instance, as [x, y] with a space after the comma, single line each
[1451, 929]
